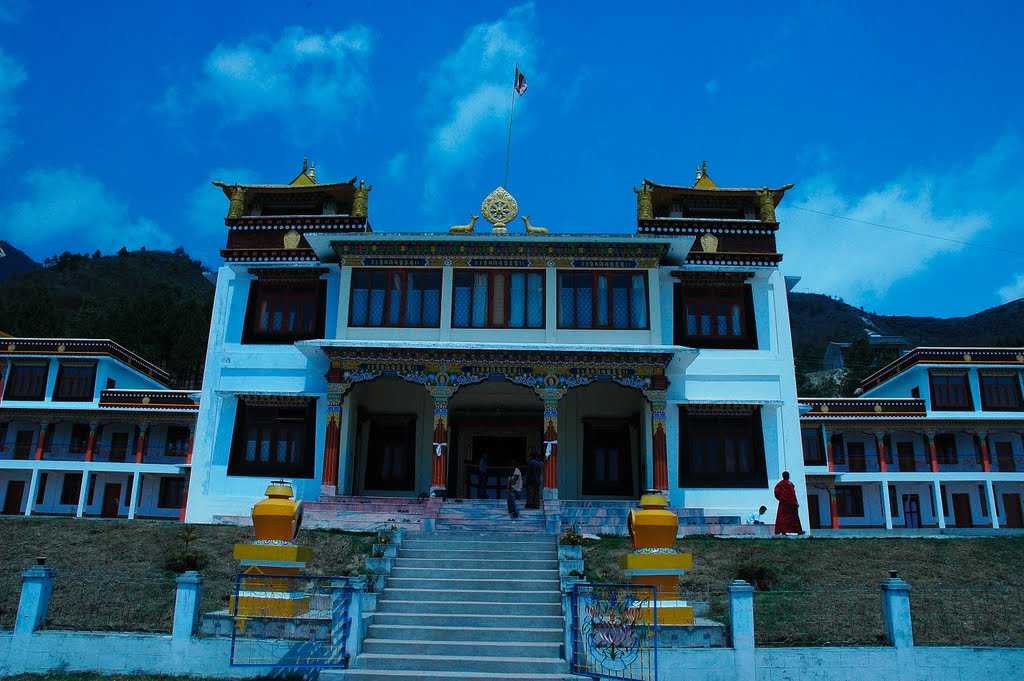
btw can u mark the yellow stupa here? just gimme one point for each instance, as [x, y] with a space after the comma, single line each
[269, 562]
[654, 560]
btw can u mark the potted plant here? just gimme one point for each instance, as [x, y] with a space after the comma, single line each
[377, 562]
[570, 544]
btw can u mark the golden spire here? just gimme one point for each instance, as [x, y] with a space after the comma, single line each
[704, 180]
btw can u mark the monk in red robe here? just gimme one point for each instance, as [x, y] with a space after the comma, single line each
[787, 520]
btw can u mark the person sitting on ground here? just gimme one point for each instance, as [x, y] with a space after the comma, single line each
[757, 517]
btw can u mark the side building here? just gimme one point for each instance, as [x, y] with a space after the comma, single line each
[935, 440]
[360, 364]
[90, 429]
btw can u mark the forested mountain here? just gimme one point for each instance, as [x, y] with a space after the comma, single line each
[154, 303]
[14, 261]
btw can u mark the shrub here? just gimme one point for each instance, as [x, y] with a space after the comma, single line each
[186, 556]
[754, 572]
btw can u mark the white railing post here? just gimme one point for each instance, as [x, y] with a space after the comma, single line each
[741, 628]
[899, 629]
[187, 600]
[36, 588]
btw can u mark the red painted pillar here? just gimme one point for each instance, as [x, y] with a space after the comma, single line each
[44, 429]
[986, 461]
[439, 453]
[140, 443]
[90, 445]
[551, 443]
[184, 500]
[830, 450]
[932, 452]
[883, 464]
[660, 448]
[191, 444]
[332, 433]
[833, 508]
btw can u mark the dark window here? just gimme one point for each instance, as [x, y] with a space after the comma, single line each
[1004, 457]
[285, 311]
[857, 459]
[111, 384]
[607, 463]
[41, 490]
[721, 449]
[118, 446]
[23, 444]
[945, 448]
[950, 391]
[177, 441]
[839, 449]
[905, 454]
[894, 506]
[273, 440]
[27, 381]
[409, 298]
[602, 300]
[128, 490]
[814, 450]
[714, 316]
[71, 488]
[172, 493]
[915, 392]
[849, 501]
[391, 455]
[1000, 392]
[75, 382]
[945, 506]
[91, 492]
[79, 438]
[983, 501]
[498, 298]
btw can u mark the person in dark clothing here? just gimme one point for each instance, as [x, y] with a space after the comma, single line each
[534, 474]
[481, 477]
[515, 488]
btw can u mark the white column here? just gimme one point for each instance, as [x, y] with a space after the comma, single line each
[133, 503]
[447, 297]
[939, 512]
[993, 511]
[33, 484]
[82, 494]
[886, 509]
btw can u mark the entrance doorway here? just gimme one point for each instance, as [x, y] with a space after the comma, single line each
[111, 500]
[962, 510]
[1011, 504]
[814, 511]
[502, 452]
[607, 458]
[16, 494]
[911, 511]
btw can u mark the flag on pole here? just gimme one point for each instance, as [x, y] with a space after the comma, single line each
[520, 82]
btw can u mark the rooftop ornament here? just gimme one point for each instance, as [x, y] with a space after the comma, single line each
[500, 208]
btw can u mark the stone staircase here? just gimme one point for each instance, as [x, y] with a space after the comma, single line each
[358, 514]
[487, 515]
[472, 605]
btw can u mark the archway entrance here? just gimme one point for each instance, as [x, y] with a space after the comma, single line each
[498, 421]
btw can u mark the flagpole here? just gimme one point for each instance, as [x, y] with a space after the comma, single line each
[511, 114]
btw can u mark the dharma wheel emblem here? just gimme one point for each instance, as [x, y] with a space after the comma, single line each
[500, 208]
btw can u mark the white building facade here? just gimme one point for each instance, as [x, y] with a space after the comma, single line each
[936, 440]
[90, 429]
[362, 364]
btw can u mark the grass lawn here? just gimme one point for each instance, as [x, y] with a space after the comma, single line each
[826, 591]
[111, 575]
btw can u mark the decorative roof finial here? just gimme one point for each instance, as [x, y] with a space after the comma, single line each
[312, 172]
[702, 170]
[704, 180]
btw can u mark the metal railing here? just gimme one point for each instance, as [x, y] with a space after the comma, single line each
[312, 636]
[614, 631]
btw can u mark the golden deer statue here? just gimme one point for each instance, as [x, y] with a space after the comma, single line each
[466, 228]
[531, 228]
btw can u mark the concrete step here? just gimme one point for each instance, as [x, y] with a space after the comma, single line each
[455, 556]
[472, 539]
[512, 648]
[416, 632]
[433, 562]
[500, 620]
[444, 547]
[466, 663]
[493, 580]
[390, 603]
[474, 595]
[450, 571]
[403, 675]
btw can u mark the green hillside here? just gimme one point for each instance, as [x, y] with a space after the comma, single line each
[154, 303]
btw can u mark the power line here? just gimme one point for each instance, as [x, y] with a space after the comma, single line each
[904, 230]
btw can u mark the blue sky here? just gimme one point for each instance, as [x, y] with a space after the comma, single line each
[115, 116]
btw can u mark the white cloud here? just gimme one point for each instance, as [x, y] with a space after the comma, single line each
[64, 209]
[398, 166]
[469, 92]
[1012, 291]
[860, 262]
[11, 76]
[711, 87]
[308, 79]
